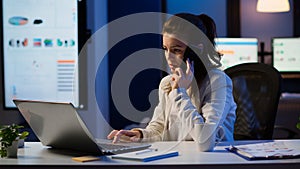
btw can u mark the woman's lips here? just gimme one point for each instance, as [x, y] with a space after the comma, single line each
[172, 66]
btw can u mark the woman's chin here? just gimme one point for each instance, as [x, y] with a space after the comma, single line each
[172, 70]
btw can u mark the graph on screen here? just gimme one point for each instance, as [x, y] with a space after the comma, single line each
[237, 50]
[286, 54]
[40, 50]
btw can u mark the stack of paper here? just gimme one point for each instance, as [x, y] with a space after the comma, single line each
[268, 150]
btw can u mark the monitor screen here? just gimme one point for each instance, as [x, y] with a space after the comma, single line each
[237, 50]
[286, 54]
[40, 50]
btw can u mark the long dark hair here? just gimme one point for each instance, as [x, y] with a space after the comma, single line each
[211, 28]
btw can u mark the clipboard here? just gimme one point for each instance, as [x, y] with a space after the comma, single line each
[265, 151]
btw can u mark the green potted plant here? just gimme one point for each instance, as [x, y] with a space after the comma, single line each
[9, 138]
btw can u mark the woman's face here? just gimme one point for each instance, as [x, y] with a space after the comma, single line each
[174, 51]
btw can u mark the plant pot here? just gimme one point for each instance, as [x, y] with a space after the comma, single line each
[21, 143]
[12, 151]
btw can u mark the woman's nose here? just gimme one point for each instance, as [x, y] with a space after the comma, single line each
[168, 54]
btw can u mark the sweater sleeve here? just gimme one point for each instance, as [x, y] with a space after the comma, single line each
[155, 128]
[187, 112]
[215, 104]
[218, 104]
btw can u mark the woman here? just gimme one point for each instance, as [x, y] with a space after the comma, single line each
[196, 91]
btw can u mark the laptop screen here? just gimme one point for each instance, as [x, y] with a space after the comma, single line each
[57, 125]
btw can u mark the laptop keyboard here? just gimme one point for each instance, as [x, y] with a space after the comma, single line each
[110, 148]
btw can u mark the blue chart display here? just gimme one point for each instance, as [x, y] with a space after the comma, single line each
[40, 50]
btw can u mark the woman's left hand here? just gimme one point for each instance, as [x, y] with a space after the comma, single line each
[124, 136]
[182, 79]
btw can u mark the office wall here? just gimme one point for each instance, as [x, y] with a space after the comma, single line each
[214, 8]
[102, 113]
[136, 96]
[97, 109]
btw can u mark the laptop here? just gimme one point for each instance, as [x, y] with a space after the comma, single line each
[58, 125]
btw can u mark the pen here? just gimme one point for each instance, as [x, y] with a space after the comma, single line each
[146, 151]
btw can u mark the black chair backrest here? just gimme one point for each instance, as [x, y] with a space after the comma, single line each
[256, 90]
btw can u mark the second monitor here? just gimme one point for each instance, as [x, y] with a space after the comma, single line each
[237, 50]
[286, 57]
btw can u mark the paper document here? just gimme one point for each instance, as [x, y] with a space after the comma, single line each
[269, 150]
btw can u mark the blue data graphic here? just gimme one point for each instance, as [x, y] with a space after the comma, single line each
[40, 47]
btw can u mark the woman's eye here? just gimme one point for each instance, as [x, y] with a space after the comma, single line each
[177, 51]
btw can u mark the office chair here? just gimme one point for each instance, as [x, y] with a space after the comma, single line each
[256, 91]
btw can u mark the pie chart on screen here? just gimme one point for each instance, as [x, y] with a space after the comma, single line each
[18, 20]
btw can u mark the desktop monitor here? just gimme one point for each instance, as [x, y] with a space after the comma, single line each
[237, 50]
[40, 45]
[286, 54]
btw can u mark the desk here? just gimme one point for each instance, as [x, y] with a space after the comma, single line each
[34, 155]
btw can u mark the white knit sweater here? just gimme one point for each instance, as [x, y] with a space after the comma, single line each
[178, 110]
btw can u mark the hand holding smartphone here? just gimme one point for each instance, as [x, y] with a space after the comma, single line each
[183, 76]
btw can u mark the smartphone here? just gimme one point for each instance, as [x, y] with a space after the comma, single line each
[191, 55]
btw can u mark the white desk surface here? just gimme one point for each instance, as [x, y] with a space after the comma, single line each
[35, 154]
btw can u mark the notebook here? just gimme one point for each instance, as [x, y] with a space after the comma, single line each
[58, 125]
[146, 155]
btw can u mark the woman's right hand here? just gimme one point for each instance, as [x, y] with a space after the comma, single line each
[181, 79]
[124, 136]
